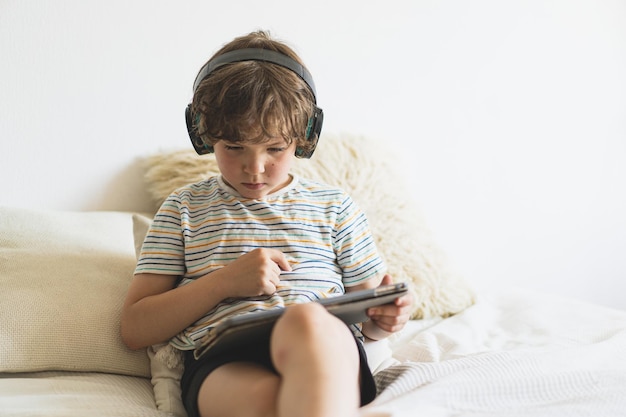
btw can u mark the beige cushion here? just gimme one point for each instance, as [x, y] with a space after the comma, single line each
[63, 279]
[370, 173]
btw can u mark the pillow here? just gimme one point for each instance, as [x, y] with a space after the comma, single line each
[370, 173]
[64, 277]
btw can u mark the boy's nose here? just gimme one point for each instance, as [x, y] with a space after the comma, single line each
[254, 165]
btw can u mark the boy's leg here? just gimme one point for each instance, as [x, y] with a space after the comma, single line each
[239, 389]
[317, 360]
[316, 355]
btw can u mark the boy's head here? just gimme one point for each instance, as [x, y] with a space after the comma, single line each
[254, 89]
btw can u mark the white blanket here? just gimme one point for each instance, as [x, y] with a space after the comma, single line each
[520, 354]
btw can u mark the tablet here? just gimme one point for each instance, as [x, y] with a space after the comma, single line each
[257, 327]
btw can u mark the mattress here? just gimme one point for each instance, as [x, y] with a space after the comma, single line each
[513, 353]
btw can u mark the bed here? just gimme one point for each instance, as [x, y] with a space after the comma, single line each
[507, 352]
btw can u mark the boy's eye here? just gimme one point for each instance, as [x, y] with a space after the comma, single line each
[276, 149]
[270, 149]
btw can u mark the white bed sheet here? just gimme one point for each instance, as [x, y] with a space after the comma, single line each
[515, 353]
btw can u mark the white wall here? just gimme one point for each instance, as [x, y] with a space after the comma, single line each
[510, 116]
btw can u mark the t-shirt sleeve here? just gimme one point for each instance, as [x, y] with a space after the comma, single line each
[163, 248]
[356, 250]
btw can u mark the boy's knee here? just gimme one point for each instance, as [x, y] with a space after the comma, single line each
[306, 317]
[310, 330]
[308, 323]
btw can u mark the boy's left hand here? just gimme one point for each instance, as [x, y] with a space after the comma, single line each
[393, 316]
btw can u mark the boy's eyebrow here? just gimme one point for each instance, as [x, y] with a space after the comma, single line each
[274, 141]
[279, 142]
[271, 141]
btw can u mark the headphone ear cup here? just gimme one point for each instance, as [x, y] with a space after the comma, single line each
[192, 129]
[313, 130]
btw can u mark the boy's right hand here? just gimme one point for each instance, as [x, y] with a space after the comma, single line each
[256, 273]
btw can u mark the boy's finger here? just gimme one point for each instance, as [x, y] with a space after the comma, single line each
[281, 261]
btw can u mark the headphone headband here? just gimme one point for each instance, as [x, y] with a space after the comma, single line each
[255, 54]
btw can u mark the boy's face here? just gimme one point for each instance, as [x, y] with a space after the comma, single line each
[255, 169]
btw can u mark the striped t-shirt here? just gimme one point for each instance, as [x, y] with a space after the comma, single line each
[205, 226]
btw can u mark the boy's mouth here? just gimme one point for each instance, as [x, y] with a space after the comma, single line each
[253, 185]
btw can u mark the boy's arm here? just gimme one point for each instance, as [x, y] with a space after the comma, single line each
[155, 310]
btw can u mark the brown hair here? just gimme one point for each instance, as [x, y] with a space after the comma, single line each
[253, 100]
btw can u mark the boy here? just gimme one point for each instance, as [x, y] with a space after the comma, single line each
[256, 238]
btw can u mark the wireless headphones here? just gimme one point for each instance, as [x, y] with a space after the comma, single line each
[314, 126]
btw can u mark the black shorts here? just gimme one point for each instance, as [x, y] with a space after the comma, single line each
[196, 372]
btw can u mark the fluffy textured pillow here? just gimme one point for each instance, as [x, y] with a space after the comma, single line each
[370, 173]
[64, 276]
